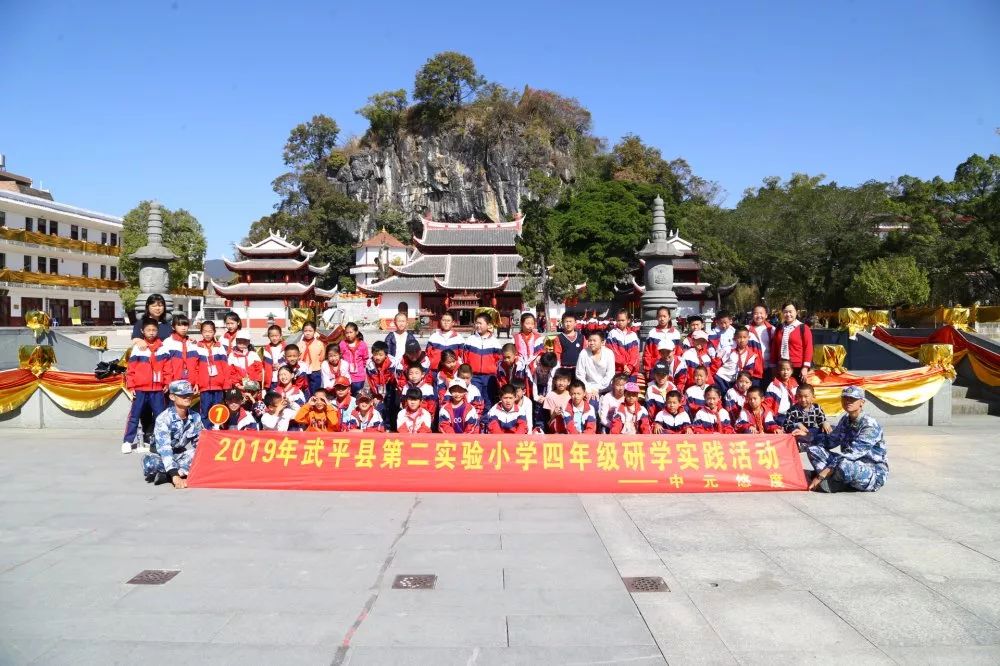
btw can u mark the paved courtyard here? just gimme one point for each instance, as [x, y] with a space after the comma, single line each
[910, 574]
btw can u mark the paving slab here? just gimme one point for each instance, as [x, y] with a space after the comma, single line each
[910, 574]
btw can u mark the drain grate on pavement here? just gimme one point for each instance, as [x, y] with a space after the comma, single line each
[414, 582]
[645, 584]
[152, 577]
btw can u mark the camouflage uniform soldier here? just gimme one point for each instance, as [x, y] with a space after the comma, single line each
[861, 463]
[175, 438]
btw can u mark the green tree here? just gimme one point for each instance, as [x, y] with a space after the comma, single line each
[889, 282]
[310, 144]
[548, 276]
[385, 112]
[182, 234]
[447, 80]
[311, 210]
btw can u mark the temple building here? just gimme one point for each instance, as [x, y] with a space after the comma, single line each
[457, 266]
[273, 276]
[373, 257]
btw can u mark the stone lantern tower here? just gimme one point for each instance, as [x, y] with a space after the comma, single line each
[658, 255]
[154, 261]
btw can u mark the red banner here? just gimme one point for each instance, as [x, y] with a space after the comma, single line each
[394, 462]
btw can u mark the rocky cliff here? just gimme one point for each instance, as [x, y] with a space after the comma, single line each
[455, 175]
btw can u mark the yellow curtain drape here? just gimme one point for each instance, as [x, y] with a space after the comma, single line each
[299, 317]
[903, 388]
[16, 386]
[75, 397]
[60, 280]
[830, 358]
[58, 241]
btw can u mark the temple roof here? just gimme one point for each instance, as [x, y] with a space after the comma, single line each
[265, 264]
[256, 289]
[382, 238]
[275, 245]
[686, 264]
[469, 234]
[466, 273]
[455, 272]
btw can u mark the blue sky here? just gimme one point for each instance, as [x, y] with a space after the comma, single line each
[108, 103]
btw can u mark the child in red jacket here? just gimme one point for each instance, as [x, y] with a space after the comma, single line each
[755, 418]
[579, 416]
[413, 418]
[144, 381]
[505, 417]
[213, 370]
[630, 418]
[712, 418]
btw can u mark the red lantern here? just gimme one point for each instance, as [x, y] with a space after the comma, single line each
[369, 302]
[447, 302]
[378, 300]
[246, 302]
[228, 303]
[493, 300]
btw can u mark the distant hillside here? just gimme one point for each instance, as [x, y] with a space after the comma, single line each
[216, 269]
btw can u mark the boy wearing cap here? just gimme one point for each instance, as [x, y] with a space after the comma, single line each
[861, 464]
[239, 417]
[343, 401]
[175, 436]
[630, 418]
[457, 415]
[364, 417]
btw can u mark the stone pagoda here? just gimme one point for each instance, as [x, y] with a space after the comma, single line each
[273, 276]
[154, 263]
[658, 265]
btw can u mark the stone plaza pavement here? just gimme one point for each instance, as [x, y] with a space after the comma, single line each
[910, 574]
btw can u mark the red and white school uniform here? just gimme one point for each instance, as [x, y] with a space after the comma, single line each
[458, 419]
[673, 423]
[656, 397]
[482, 353]
[499, 420]
[243, 365]
[651, 350]
[578, 420]
[529, 348]
[180, 359]
[762, 420]
[380, 377]
[760, 339]
[441, 342]
[329, 375]
[694, 398]
[213, 367]
[733, 361]
[292, 393]
[625, 346]
[428, 397]
[361, 422]
[708, 421]
[734, 401]
[690, 360]
[516, 370]
[780, 397]
[274, 358]
[632, 420]
[418, 421]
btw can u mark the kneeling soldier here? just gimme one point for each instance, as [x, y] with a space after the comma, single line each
[861, 464]
[175, 438]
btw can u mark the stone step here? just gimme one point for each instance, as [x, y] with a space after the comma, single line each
[969, 406]
[959, 391]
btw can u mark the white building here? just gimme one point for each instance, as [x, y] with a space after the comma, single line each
[374, 257]
[56, 258]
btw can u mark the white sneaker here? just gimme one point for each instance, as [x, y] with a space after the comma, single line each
[126, 447]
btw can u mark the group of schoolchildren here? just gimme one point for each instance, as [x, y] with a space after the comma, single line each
[676, 383]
